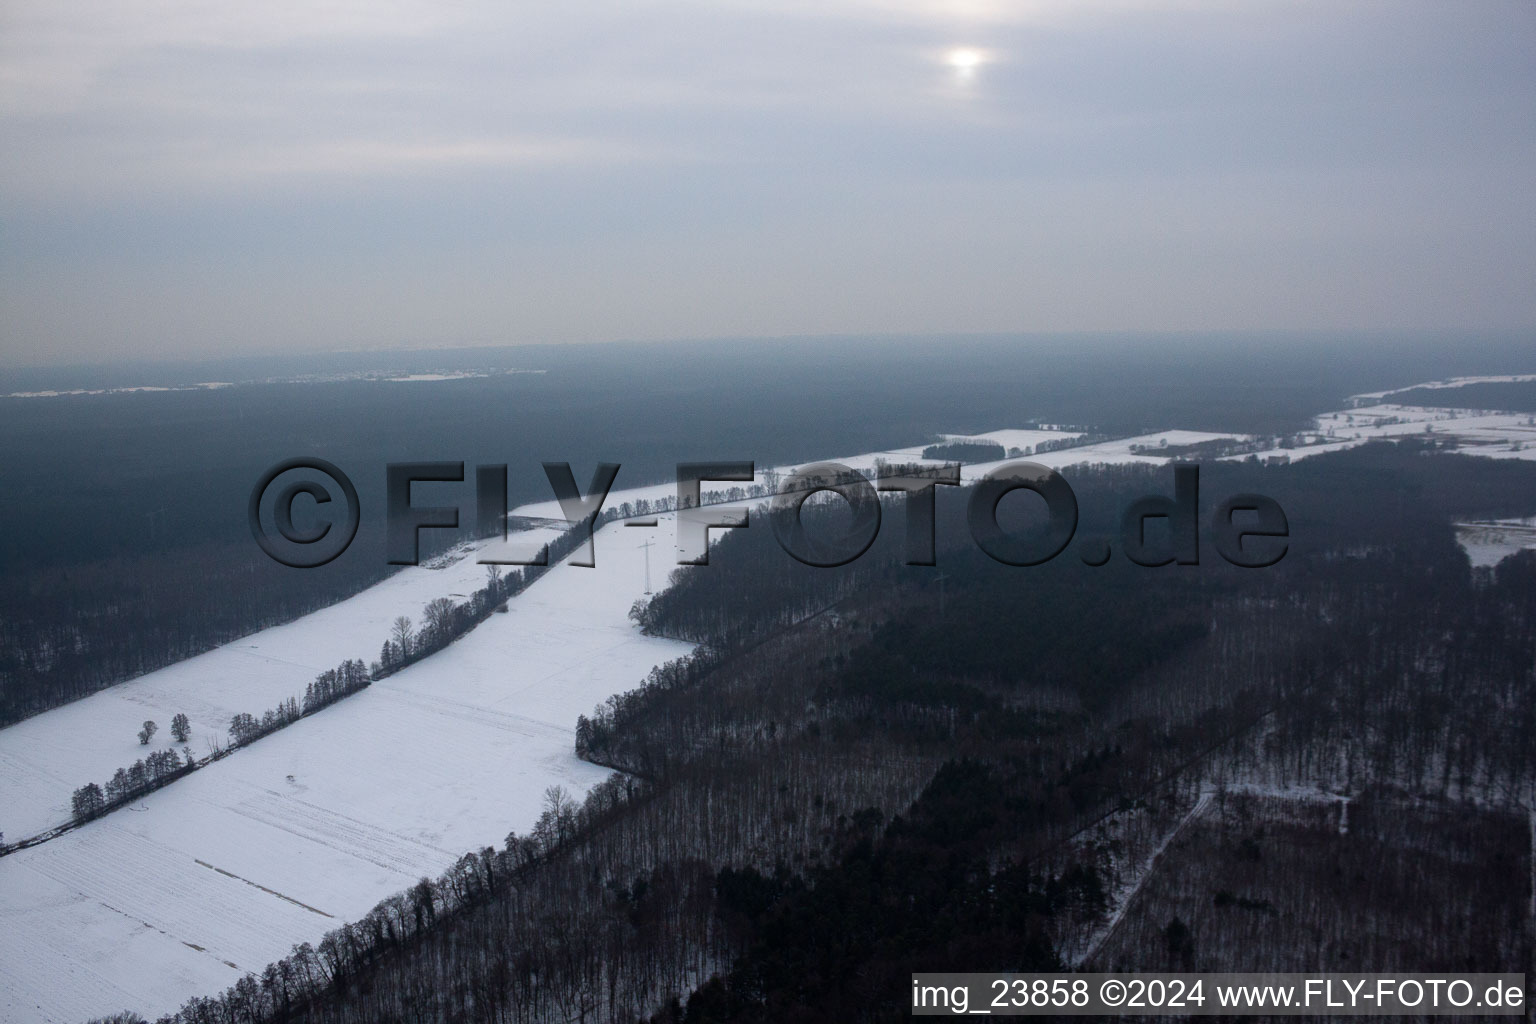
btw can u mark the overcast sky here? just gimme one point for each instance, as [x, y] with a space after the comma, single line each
[185, 178]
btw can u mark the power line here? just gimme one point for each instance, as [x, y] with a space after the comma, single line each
[646, 547]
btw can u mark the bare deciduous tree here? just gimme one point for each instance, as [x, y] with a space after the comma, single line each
[401, 631]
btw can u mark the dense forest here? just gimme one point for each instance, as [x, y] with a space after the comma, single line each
[965, 451]
[123, 510]
[881, 768]
[1499, 396]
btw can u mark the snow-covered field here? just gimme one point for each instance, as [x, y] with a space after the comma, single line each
[224, 871]
[44, 758]
[1494, 435]
[1105, 452]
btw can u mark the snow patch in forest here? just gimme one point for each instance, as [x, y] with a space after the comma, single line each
[1488, 542]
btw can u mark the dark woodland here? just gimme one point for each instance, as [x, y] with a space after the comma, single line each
[870, 771]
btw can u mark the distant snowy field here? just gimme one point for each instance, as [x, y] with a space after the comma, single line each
[1474, 432]
[1494, 435]
[224, 871]
[1105, 452]
[1454, 382]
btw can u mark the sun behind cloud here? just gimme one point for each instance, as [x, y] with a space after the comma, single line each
[965, 61]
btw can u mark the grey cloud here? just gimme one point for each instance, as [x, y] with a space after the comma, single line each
[181, 179]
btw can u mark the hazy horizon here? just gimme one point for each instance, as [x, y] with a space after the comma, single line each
[188, 181]
[1341, 362]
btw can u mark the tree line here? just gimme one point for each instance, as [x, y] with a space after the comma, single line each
[144, 776]
[443, 622]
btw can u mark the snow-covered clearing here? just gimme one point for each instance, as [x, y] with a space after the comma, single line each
[1489, 542]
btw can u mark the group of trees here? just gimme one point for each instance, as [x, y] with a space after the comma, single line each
[181, 728]
[144, 776]
[443, 621]
[88, 802]
[966, 451]
[328, 687]
[715, 494]
[1060, 444]
[245, 727]
[600, 738]
[334, 684]
[149, 773]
